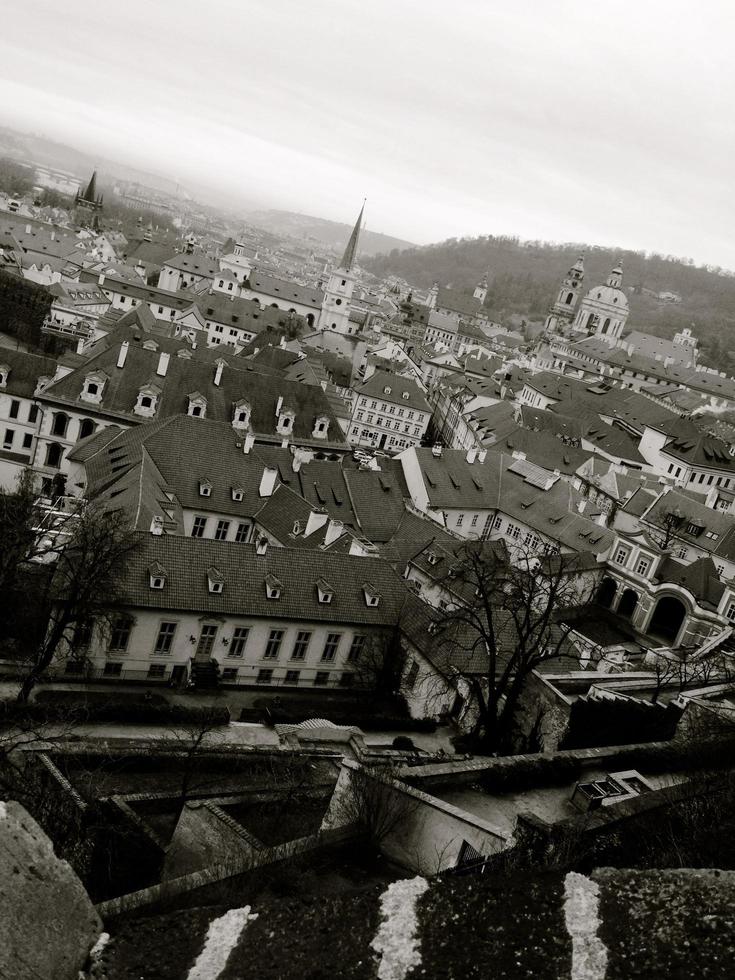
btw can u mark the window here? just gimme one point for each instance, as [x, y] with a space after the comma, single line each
[205, 489]
[157, 671]
[222, 528]
[460, 519]
[273, 645]
[265, 676]
[241, 535]
[197, 530]
[413, 672]
[682, 553]
[330, 647]
[237, 494]
[14, 406]
[229, 674]
[239, 639]
[112, 669]
[473, 522]
[498, 523]
[357, 647]
[27, 440]
[206, 641]
[730, 612]
[33, 413]
[59, 424]
[165, 639]
[8, 440]
[643, 565]
[86, 428]
[54, 452]
[621, 556]
[120, 635]
[299, 647]
[513, 531]
[321, 678]
[292, 677]
[532, 541]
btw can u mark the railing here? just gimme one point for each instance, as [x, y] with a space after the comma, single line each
[81, 328]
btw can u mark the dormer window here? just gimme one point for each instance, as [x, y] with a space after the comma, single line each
[205, 488]
[92, 388]
[324, 591]
[197, 405]
[431, 558]
[321, 427]
[296, 528]
[386, 390]
[285, 421]
[238, 494]
[215, 581]
[273, 587]
[372, 597]
[147, 401]
[405, 396]
[157, 576]
[241, 415]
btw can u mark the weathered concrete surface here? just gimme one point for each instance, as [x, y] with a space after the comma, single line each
[614, 924]
[47, 924]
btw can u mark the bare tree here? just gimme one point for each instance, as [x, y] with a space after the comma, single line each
[373, 801]
[504, 618]
[81, 593]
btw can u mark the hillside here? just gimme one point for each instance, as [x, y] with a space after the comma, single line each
[523, 278]
[320, 231]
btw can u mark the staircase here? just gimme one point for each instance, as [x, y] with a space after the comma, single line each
[204, 675]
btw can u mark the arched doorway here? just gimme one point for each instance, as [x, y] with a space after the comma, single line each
[628, 603]
[667, 618]
[606, 592]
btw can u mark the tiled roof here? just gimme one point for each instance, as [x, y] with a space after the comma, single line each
[239, 381]
[377, 499]
[196, 265]
[700, 578]
[180, 300]
[244, 314]
[698, 448]
[285, 290]
[25, 370]
[375, 386]
[244, 572]
[450, 299]
[543, 449]
[706, 528]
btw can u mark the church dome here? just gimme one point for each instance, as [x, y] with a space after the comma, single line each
[609, 296]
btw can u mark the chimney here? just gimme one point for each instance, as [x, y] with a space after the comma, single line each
[163, 364]
[28, 229]
[279, 403]
[53, 236]
[334, 531]
[471, 454]
[101, 279]
[248, 442]
[218, 372]
[123, 353]
[268, 481]
[436, 450]
[261, 545]
[317, 519]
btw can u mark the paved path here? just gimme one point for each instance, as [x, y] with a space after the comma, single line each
[612, 925]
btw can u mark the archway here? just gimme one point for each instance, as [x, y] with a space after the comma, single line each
[606, 592]
[667, 618]
[628, 603]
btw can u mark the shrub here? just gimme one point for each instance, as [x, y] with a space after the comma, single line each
[48, 706]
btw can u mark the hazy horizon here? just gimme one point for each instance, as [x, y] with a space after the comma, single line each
[558, 122]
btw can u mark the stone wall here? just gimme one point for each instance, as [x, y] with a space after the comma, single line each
[205, 835]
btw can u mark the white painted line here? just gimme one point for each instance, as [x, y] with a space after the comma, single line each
[397, 938]
[222, 937]
[582, 916]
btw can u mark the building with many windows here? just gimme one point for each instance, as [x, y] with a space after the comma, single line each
[389, 412]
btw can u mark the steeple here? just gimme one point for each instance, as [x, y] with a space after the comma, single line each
[90, 200]
[615, 279]
[350, 255]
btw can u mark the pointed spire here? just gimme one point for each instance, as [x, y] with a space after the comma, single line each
[350, 255]
[91, 192]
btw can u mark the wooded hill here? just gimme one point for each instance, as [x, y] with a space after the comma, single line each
[523, 278]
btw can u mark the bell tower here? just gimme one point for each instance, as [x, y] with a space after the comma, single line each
[335, 313]
[562, 312]
[481, 290]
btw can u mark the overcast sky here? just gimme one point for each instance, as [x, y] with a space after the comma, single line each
[609, 123]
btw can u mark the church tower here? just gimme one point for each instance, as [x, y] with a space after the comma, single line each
[481, 290]
[604, 310]
[88, 203]
[335, 313]
[562, 312]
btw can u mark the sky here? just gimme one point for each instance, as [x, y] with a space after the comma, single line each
[560, 120]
